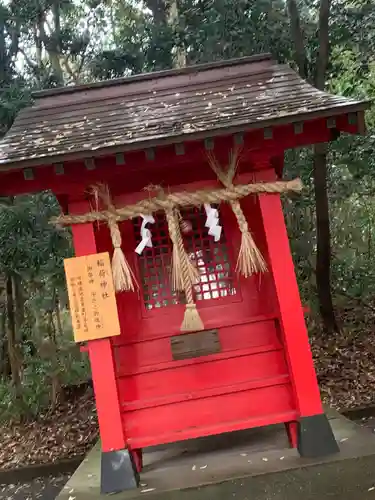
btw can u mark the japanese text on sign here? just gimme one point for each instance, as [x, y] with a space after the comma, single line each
[92, 297]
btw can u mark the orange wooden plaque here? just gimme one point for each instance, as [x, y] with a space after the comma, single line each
[92, 297]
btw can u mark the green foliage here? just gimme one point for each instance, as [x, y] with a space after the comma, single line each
[13, 97]
[35, 399]
[114, 64]
[33, 247]
[233, 28]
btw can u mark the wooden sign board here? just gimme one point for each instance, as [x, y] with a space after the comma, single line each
[92, 297]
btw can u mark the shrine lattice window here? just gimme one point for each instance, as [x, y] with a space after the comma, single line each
[210, 257]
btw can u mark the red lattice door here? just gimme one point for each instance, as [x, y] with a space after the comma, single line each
[212, 260]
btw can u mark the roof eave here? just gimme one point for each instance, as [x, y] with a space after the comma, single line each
[191, 136]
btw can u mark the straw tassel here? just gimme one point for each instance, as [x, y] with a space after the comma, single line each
[180, 259]
[184, 273]
[192, 321]
[250, 260]
[123, 276]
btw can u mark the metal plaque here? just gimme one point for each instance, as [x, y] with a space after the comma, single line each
[195, 345]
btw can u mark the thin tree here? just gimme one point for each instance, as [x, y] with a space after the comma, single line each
[323, 235]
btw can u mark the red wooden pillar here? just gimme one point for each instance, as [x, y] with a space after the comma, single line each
[315, 437]
[118, 470]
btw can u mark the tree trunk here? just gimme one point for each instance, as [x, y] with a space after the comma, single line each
[54, 49]
[323, 256]
[19, 302]
[48, 351]
[51, 331]
[3, 52]
[38, 50]
[179, 56]
[60, 331]
[4, 358]
[323, 45]
[369, 239]
[298, 39]
[55, 377]
[14, 355]
[52, 43]
[323, 240]
[158, 10]
[54, 58]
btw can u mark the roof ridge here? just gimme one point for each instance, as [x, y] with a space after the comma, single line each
[152, 75]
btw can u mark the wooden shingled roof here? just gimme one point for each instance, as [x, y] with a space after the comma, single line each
[166, 107]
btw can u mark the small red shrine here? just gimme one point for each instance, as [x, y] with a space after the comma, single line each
[213, 337]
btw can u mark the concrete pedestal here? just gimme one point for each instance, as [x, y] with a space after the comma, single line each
[251, 465]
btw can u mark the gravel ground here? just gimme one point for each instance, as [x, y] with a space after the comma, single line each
[368, 422]
[39, 489]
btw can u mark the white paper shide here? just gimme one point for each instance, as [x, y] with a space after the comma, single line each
[212, 222]
[146, 236]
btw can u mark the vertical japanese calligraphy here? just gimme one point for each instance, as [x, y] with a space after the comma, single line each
[92, 297]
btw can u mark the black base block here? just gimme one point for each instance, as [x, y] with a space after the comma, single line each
[315, 437]
[118, 472]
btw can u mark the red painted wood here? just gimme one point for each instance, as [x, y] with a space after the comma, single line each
[210, 415]
[292, 320]
[138, 459]
[101, 354]
[211, 429]
[248, 338]
[188, 362]
[106, 395]
[189, 380]
[173, 399]
[292, 432]
[154, 327]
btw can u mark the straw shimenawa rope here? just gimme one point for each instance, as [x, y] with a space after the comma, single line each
[190, 276]
[182, 199]
[184, 273]
[250, 259]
